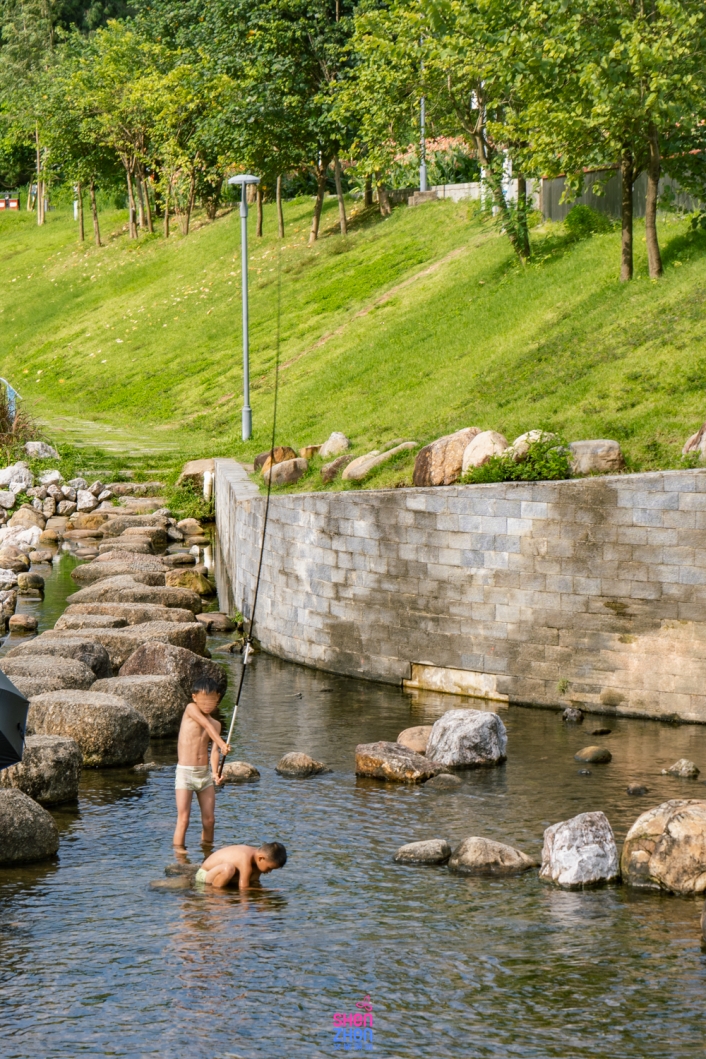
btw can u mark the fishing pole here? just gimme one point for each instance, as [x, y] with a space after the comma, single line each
[248, 647]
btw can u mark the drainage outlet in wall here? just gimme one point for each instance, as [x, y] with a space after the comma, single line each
[427, 677]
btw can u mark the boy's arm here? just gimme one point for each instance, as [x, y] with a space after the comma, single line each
[214, 765]
[211, 726]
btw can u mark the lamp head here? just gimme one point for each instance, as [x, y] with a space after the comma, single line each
[244, 178]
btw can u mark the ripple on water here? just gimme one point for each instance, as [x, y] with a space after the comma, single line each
[94, 963]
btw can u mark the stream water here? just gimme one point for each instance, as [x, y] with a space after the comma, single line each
[95, 963]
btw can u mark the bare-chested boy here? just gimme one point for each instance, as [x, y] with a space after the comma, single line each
[241, 866]
[193, 775]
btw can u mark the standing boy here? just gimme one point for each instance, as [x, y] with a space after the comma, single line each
[198, 729]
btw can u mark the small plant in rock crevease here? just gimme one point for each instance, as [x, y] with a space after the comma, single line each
[547, 460]
[563, 686]
[187, 502]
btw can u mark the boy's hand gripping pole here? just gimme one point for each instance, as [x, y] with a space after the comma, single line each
[247, 651]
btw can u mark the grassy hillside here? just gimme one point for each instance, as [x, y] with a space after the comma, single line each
[409, 328]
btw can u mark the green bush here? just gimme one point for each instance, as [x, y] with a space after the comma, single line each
[546, 459]
[583, 220]
[186, 502]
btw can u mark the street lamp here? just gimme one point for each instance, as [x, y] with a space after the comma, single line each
[244, 179]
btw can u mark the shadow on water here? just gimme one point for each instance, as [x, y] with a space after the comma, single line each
[95, 962]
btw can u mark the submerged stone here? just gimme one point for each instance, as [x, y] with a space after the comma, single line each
[300, 765]
[482, 856]
[431, 851]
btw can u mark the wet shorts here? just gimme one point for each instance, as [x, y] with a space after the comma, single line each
[200, 876]
[193, 778]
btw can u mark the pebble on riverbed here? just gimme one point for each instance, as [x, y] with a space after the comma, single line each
[594, 755]
[637, 789]
[445, 781]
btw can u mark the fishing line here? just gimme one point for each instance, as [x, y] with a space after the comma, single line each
[248, 648]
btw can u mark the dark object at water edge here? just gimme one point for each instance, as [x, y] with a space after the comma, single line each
[637, 789]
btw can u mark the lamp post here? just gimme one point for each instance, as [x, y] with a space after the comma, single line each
[244, 179]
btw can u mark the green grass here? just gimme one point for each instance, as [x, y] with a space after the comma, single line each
[410, 328]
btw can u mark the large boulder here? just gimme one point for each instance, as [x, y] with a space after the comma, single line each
[596, 457]
[416, 738]
[484, 445]
[127, 590]
[49, 772]
[696, 443]
[156, 535]
[26, 518]
[665, 849]
[190, 579]
[468, 739]
[27, 831]
[287, 472]
[441, 462]
[71, 672]
[193, 471]
[90, 573]
[130, 613]
[162, 659]
[161, 700]
[279, 454]
[121, 643]
[296, 765]
[482, 856]
[108, 731]
[329, 471]
[118, 546]
[239, 772]
[361, 467]
[392, 761]
[138, 560]
[430, 851]
[88, 621]
[335, 444]
[93, 654]
[114, 526]
[580, 852]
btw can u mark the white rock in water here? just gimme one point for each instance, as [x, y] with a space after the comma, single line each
[7, 498]
[86, 501]
[41, 451]
[683, 768]
[665, 849]
[51, 477]
[430, 851]
[580, 852]
[484, 445]
[595, 457]
[468, 739]
[334, 445]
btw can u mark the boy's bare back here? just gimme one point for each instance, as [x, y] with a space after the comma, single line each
[239, 866]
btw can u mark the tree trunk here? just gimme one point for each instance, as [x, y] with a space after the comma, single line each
[280, 214]
[40, 189]
[627, 174]
[148, 205]
[523, 242]
[140, 202]
[341, 203]
[258, 229]
[321, 171]
[94, 212]
[167, 197]
[654, 258]
[81, 229]
[383, 198]
[368, 196]
[132, 219]
[186, 216]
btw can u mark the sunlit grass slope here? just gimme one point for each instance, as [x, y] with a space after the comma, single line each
[408, 328]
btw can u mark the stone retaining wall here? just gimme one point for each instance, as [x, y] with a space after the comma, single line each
[590, 591]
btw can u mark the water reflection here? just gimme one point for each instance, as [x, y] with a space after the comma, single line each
[95, 962]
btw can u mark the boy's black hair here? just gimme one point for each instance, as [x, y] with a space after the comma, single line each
[207, 684]
[275, 852]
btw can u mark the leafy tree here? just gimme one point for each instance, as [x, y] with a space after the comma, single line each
[611, 81]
